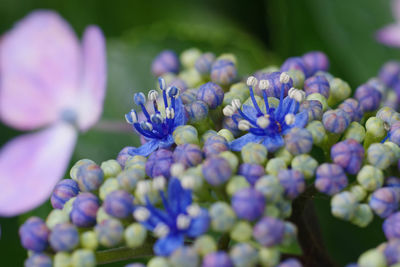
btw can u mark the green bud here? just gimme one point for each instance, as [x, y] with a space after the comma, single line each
[135, 235]
[242, 231]
[235, 184]
[101, 215]
[89, 240]
[297, 77]
[343, 205]
[243, 255]
[83, 258]
[284, 154]
[372, 258]
[395, 149]
[272, 210]
[305, 164]
[204, 245]
[363, 215]
[184, 256]
[109, 185]
[290, 235]
[128, 179]
[320, 98]
[355, 131]
[269, 257]
[62, 259]
[228, 56]
[111, 168]
[375, 131]
[370, 177]
[270, 187]
[359, 192]
[55, 217]
[231, 158]
[222, 217]
[317, 130]
[136, 162]
[188, 57]
[228, 135]
[254, 153]
[339, 91]
[274, 165]
[185, 134]
[68, 206]
[380, 156]
[79, 163]
[285, 208]
[158, 262]
[191, 77]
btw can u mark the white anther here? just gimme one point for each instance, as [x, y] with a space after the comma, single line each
[263, 122]
[244, 125]
[163, 85]
[159, 183]
[228, 111]
[299, 96]
[284, 78]
[152, 96]
[148, 126]
[236, 104]
[131, 117]
[188, 182]
[264, 84]
[252, 81]
[143, 187]
[194, 210]
[291, 92]
[170, 113]
[386, 126]
[161, 230]
[289, 119]
[177, 169]
[141, 214]
[183, 222]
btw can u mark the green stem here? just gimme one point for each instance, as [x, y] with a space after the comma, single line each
[124, 253]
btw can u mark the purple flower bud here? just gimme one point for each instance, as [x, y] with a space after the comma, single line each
[368, 97]
[216, 170]
[252, 172]
[166, 61]
[275, 85]
[38, 260]
[109, 232]
[214, 145]
[293, 182]
[119, 204]
[389, 73]
[212, 94]
[317, 84]
[223, 71]
[315, 61]
[348, 154]
[189, 96]
[352, 108]
[204, 62]
[336, 121]
[393, 182]
[178, 83]
[294, 63]
[217, 259]
[391, 226]
[197, 110]
[385, 201]
[159, 163]
[392, 252]
[269, 231]
[248, 203]
[330, 179]
[34, 234]
[314, 108]
[90, 177]
[84, 210]
[123, 156]
[64, 191]
[290, 263]
[298, 141]
[229, 124]
[64, 237]
[394, 133]
[188, 154]
[135, 265]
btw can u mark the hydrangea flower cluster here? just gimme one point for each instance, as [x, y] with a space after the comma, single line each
[225, 161]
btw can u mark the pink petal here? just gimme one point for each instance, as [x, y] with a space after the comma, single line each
[389, 35]
[31, 165]
[396, 9]
[93, 88]
[40, 67]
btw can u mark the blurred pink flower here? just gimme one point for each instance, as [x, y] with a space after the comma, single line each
[390, 34]
[50, 82]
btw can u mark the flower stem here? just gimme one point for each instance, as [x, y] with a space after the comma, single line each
[124, 253]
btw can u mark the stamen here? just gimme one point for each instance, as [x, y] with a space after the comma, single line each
[143, 132]
[177, 169]
[143, 187]
[183, 221]
[161, 83]
[228, 111]
[289, 119]
[141, 214]
[244, 125]
[284, 78]
[193, 210]
[139, 99]
[159, 183]
[236, 103]
[263, 121]
[146, 126]
[188, 182]
[131, 117]
[152, 96]
[172, 91]
[161, 230]
[252, 81]
[170, 113]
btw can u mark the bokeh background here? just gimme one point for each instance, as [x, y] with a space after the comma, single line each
[259, 32]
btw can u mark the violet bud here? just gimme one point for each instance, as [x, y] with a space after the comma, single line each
[214, 145]
[315, 61]
[352, 108]
[391, 226]
[84, 210]
[64, 191]
[252, 172]
[293, 183]
[64, 237]
[336, 121]
[119, 204]
[165, 62]
[159, 163]
[294, 63]
[90, 177]
[368, 97]
[248, 203]
[330, 179]
[317, 84]
[223, 71]
[217, 259]
[188, 154]
[385, 201]
[34, 234]
[216, 170]
[269, 231]
[211, 94]
[348, 154]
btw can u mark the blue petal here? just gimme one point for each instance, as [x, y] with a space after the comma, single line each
[273, 142]
[250, 112]
[180, 118]
[178, 198]
[239, 143]
[144, 150]
[165, 246]
[301, 119]
[167, 142]
[199, 224]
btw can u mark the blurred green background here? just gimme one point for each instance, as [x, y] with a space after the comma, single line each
[259, 32]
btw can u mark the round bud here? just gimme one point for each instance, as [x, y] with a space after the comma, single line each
[184, 256]
[90, 177]
[135, 235]
[392, 252]
[243, 255]
[34, 234]
[314, 109]
[83, 258]
[197, 111]
[349, 154]
[212, 94]
[317, 84]
[294, 63]
[336, 121]
[330, 179]
[315, 61]
[165, 62]
[292, 182]
[380, 156]
[368, 97]
[305, 164]
[74, 169]
[389, 73]
[298, 141]
[159, 163]
[223, 71]
[385, 201]
[217, 259]
[370, 177]
[372, 258]
[222, 217]
[269, 231]
[110, 168]
[254, 153]
[352, 108]
[344, 205]
[363, 215]
[317, 130]
[252, 172]
[214, 145]
[216, 170]
[119, 204]
[188, 154]
[275, 165]
[204, 62]
[109, 232]
[38, 260]
[64, 191]
[84, 209]
[248, 204]
[89, 240]
[64, 237]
